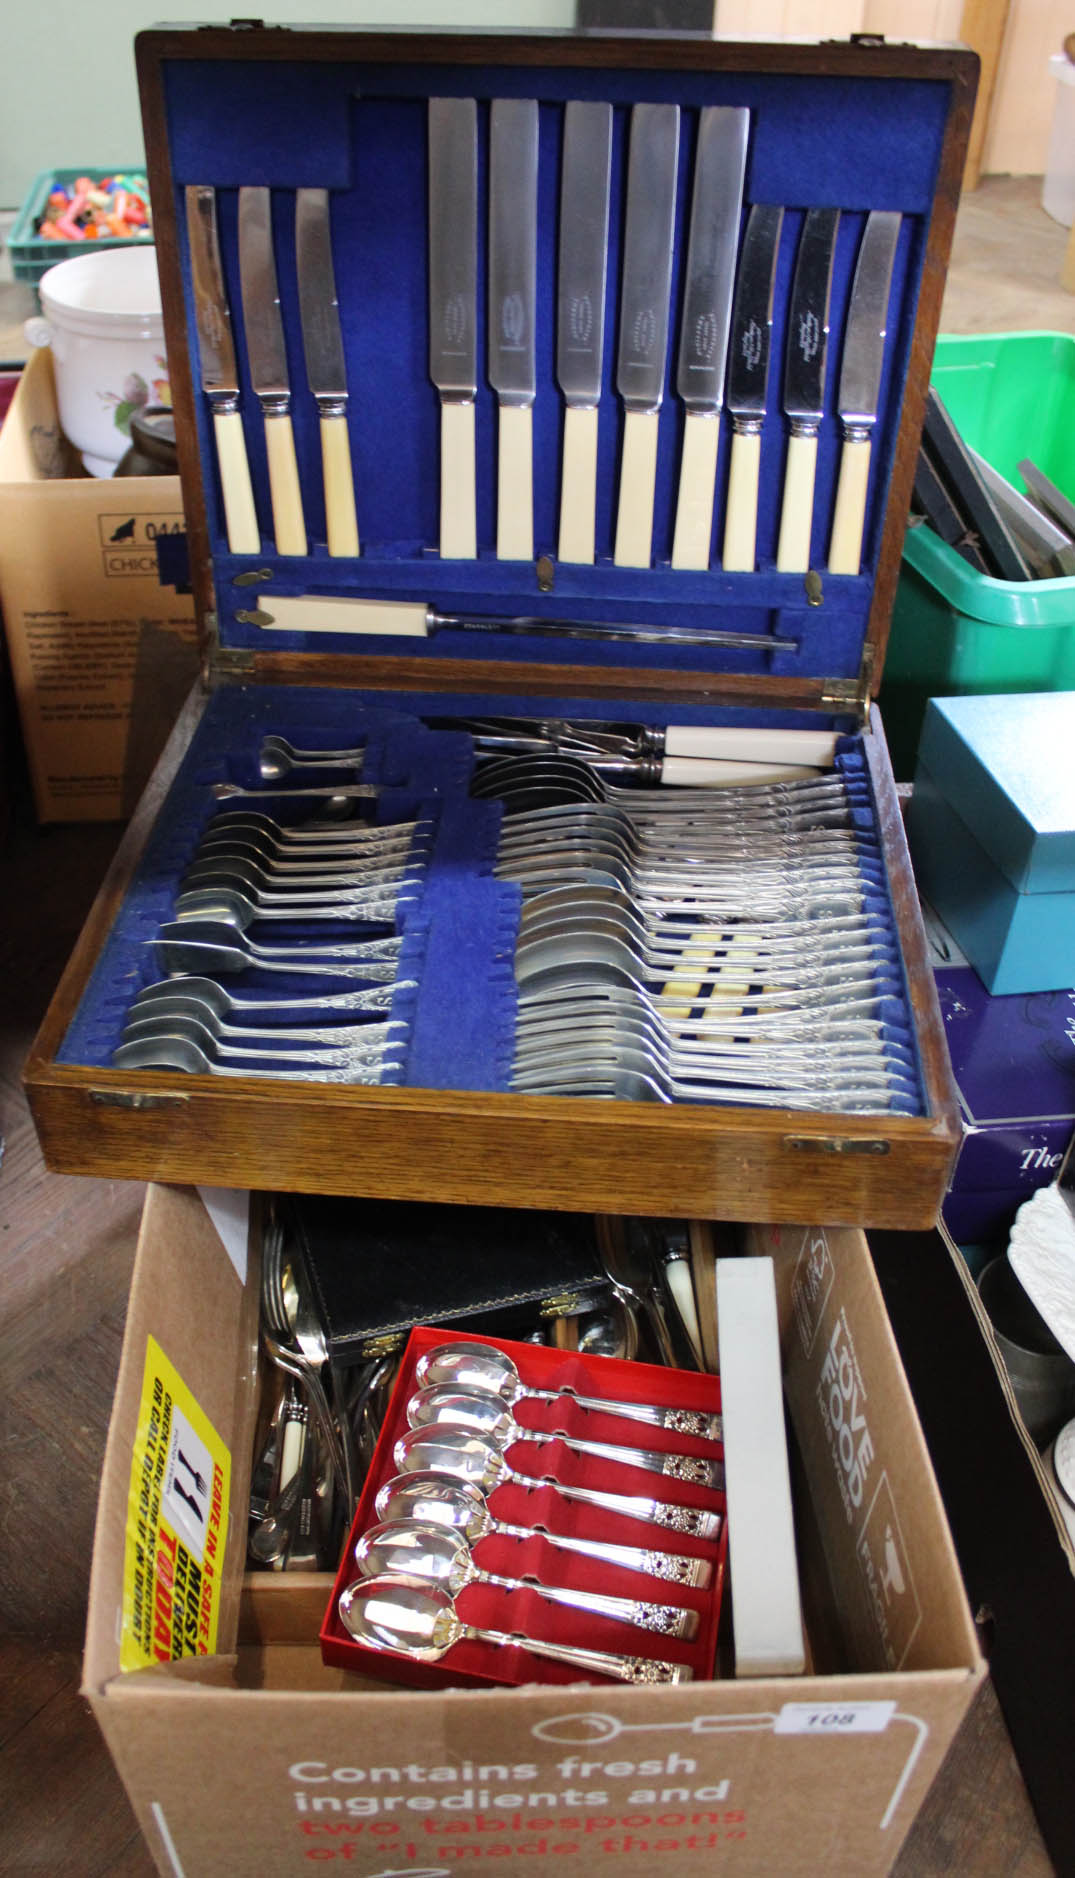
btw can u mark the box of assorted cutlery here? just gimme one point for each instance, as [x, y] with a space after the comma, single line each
[608, 1541]
[242, 1751]
[548, 409]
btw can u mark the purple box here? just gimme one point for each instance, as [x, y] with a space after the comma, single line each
[1013, 1059]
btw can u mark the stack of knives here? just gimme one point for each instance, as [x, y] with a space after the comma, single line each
[726, 296]
[1000, 530]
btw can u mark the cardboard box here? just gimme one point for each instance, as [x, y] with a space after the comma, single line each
[102, 655]
[1015, 1551]
[258, 1758]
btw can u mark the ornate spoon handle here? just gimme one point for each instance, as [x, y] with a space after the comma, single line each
[689, 1519]
[700, 1473]
[670, 1620]
[597, 1662]
[678, 1421]
[674, 1567]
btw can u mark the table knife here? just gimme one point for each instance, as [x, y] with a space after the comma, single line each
[860, 385]
[580, 321]
[952, 460]
[322, 343]
[716, 207]
[513, 172]
[268, 365]
[453, 312]
[748, 377]
[220, 378]
[1050, 548]
[644, 312]
[804, 383]
[1045, 493]
[325, 613]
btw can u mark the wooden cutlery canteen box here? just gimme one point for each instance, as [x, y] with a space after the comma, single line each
[564, 379]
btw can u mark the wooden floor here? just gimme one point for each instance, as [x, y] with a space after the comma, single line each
[66, 1248]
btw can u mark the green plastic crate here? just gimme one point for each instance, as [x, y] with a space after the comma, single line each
[31, 254]
[1012, 395]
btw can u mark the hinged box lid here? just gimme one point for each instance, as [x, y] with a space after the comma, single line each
[856, 128]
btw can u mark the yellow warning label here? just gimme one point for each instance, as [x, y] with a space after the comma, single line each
[177, 1523]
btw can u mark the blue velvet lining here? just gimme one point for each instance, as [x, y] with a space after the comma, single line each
[458, 927]
[858, 144]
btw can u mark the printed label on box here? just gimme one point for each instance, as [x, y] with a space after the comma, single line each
[815, 1275]
[129, 542]
[882, 1556]
[177, 1522]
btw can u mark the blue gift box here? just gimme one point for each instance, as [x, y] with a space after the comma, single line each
[1013, 1059]
[992, 831]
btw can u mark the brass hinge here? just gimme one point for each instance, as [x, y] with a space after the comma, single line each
[233, 662]
[851, 694]
[136, 1099]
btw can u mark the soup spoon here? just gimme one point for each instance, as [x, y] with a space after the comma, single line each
[441, 1406]
[481, 1366]
[440, 1557]
[435, 1500]
[416, 1621]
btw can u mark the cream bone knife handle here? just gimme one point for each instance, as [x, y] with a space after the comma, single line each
[797, 510]
[741, 505]
[817, 747]
[698, 1472]
[697, 486]
[240, 515]
[515, 484]
[638, 483]
[578, 486]
[341, 522]
[458, 498]
[289, 528]
[849, 515]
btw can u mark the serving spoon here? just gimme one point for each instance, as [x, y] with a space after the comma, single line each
[435, 1500]
[481, 1366]
[440, 1557]
[416, 1621]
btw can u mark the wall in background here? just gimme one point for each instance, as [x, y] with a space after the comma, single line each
[68, 94]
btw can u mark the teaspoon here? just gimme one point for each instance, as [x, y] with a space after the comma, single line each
[441, 1558]
[435, 1500]
[413, 1620]
[481, 1366]
[481, 1464]
[277, 758]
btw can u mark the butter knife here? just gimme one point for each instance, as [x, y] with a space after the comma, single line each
[644, 314]
[513, 171]
[804, 383]
[453, 296]
[580, 326]
[220, 378]
[716, 207]
[323, 345]
[860, 385]
[268, 365]
[748, 379]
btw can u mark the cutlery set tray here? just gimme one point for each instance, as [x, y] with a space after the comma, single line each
[685, 1500]
[338, 587]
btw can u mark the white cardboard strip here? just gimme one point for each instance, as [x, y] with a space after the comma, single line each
[229, 1210]
[766, 1611]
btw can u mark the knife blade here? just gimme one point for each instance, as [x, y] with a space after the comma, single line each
[580, 325]
[748, 379]
[644, 312]
[325, 369]
[513, 173]
[267, 357]
[220, 378]
[453, 312]
[804, 383]
[716, 207]
[860, 384]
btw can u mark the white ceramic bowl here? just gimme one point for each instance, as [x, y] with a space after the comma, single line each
[102, 318]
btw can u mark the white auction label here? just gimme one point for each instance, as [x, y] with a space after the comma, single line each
[834, 1718]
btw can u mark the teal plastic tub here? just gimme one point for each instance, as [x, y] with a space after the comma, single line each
[1012, 395]
[32, 254]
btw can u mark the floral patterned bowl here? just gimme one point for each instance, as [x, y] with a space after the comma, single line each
[102, 318]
